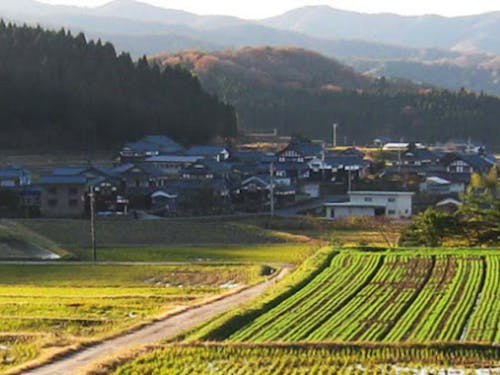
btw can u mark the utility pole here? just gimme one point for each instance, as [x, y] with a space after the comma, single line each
[92, 224]
[271, 178]
[348, 180]
[335, 126]
[399, 161]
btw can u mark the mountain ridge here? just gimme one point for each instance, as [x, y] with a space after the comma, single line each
[301, 92]
[170, 30]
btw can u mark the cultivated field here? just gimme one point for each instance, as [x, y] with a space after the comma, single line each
[205, 359]
[45, 309]
[416, 298]
[350, 311]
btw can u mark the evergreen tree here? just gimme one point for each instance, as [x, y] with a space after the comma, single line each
[60, 92]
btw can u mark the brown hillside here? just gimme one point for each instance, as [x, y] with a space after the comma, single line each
[285, 67]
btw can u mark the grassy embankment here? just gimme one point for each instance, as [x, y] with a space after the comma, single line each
[175, 241]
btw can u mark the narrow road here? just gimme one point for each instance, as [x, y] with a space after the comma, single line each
[170, 327]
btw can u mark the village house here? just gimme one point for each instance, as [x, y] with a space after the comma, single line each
[164, 201]
[414, 157]
[63, 196]
[101, 179]
[400, 146]
[338, 167]
[65, 193]
[151, 145]
[218, 153]
[352, 152]
[292, 172]
[438, 186]
[255, 193]
[251, 157]
[137, 176]
[300, 152]
[469, 163]
[207, 169]
[448, 205]
[196, 197]
[14, 176]
[172, 165]
[391, 204]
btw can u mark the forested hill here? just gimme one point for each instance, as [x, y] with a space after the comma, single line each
[59, 92]
[297, 91]
[278, 67]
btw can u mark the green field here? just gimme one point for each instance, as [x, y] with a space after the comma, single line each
[115, 233]
[272, 253]
[303, 360]
[362, 297]
[350, 232]
[168, 241]
[342, 309]
[48, 308]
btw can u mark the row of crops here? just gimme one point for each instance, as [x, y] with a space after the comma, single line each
[389, 298]
[288, 360]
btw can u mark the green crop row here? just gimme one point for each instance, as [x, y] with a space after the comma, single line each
[296, 317]
[441, 273]
[484, 324]
[365, 317]
[390, 298]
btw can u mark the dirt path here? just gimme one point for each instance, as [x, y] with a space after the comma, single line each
[153, 333]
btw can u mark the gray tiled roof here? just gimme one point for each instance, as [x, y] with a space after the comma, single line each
[62, 180]
[13, 172]
[205, 150]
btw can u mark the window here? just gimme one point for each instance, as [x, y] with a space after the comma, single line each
[53, 190]
[52, 202]
[73, 191]
[368, 199]
[73, 202]
[391, 200]
[391, 212]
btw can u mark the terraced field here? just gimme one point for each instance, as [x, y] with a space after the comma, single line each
[391, 298]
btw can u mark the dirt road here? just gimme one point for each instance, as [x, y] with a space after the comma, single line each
[172, 326]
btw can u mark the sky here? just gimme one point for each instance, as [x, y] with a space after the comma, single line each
[266, 8]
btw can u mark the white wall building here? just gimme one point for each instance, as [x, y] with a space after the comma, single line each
[392, 204]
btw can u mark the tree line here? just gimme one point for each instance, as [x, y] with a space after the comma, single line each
[60, 92]
[396, 109]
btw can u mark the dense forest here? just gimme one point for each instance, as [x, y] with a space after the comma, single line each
[478, 74]
[59, 92]
[364, 107]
